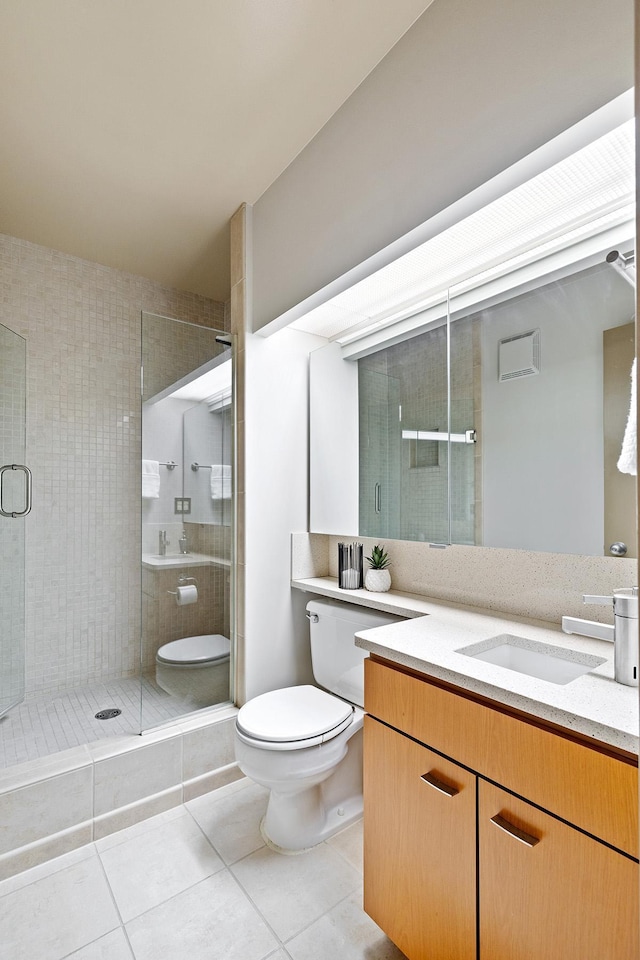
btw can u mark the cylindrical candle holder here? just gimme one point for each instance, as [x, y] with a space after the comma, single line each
[350, 565]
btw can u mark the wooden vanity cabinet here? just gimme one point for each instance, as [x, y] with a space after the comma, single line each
[556, 878]
[423, 892]
[548, 890]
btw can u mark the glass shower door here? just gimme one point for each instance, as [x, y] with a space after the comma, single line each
[188, 517]
[15, 496]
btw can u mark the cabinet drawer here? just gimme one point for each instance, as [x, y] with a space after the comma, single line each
[548, 890]
[593, 790]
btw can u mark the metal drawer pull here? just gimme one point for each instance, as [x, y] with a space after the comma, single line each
[27, 475]
[515, 832]
[439, 785]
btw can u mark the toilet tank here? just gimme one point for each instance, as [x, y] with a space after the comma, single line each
[338, 665]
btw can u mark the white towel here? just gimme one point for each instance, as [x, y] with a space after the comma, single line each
[220, 481]
[627, 462]
[150, 479]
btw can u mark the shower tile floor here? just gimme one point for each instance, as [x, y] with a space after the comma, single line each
[38, 728]
[197, 882]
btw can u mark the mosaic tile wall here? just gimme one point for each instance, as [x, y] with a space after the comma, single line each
[12, 405]
[81, 321]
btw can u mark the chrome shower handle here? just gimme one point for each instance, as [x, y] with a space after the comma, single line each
[27, 473]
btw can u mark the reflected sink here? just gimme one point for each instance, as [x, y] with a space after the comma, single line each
[541, 660]
[169, 558]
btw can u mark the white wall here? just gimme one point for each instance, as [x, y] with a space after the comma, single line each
[542, 436]
[470, 89]
[276, 480]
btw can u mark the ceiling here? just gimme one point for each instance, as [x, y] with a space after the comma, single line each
[133, 129]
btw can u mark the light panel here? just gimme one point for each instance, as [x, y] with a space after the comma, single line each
[590, 190]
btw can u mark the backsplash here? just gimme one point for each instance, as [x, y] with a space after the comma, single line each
[542, 586]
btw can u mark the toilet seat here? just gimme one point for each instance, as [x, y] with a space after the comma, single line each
[293, 718]
[192, 651]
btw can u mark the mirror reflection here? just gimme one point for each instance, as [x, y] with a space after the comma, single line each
[477, 390]
[538, 396]
[187, 513]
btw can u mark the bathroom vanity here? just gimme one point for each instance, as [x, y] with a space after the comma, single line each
[493, 831]
[501, 809]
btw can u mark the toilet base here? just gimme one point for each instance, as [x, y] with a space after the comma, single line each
[300, 817]
[197, 686]
[317, 825]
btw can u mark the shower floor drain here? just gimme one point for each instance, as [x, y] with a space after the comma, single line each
[108, 714]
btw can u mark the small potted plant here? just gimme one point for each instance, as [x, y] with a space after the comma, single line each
[377, 578]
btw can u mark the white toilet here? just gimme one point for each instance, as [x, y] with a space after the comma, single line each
[305, 744]
[195, 669]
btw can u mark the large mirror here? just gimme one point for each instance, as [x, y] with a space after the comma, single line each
[499, 419]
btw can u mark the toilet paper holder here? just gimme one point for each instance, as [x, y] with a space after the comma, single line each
[182, 582]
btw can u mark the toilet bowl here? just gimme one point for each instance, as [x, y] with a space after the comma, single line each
[304, 743]
[195, 669]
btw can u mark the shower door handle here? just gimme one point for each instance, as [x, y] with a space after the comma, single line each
[27, 473]
[377, 499]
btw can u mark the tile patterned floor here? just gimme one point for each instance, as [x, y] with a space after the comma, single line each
[196, 882]
[38, 728]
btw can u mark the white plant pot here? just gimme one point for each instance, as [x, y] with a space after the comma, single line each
[378, 581]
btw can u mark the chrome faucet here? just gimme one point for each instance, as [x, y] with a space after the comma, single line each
[623, 633]
[163, 543]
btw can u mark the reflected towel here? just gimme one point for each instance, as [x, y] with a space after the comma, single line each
[627, 462]
[220, 481]
[150, 479]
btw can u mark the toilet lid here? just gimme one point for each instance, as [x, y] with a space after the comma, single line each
[206, 648]
[294, 714]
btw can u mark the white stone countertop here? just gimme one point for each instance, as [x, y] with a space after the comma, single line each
[431, 640]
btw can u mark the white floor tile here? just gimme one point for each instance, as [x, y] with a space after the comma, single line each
[293, 891]
[114, 946]
[232, 822]
[348, 843]
[345, 932]
[211, 921]
[152, 867]
[58, 914]
[138, 829]
[27, 877]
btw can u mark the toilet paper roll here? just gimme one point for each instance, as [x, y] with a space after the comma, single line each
[186, 595]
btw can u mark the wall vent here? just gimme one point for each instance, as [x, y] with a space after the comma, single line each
[519, 356]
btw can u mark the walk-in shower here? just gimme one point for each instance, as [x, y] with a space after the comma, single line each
[101, 597]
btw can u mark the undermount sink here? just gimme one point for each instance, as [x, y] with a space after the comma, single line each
[535, 659]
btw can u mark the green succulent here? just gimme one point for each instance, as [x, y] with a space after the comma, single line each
[379, 558]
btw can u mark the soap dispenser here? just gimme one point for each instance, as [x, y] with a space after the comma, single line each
[623, 633]
[182, 542]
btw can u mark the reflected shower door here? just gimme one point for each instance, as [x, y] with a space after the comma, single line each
[188, 518]
[14, 504]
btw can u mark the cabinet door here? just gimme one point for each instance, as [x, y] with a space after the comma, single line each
[552, 893]
[419, 846]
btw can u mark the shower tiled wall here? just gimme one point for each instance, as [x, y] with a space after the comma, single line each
[81, 322]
